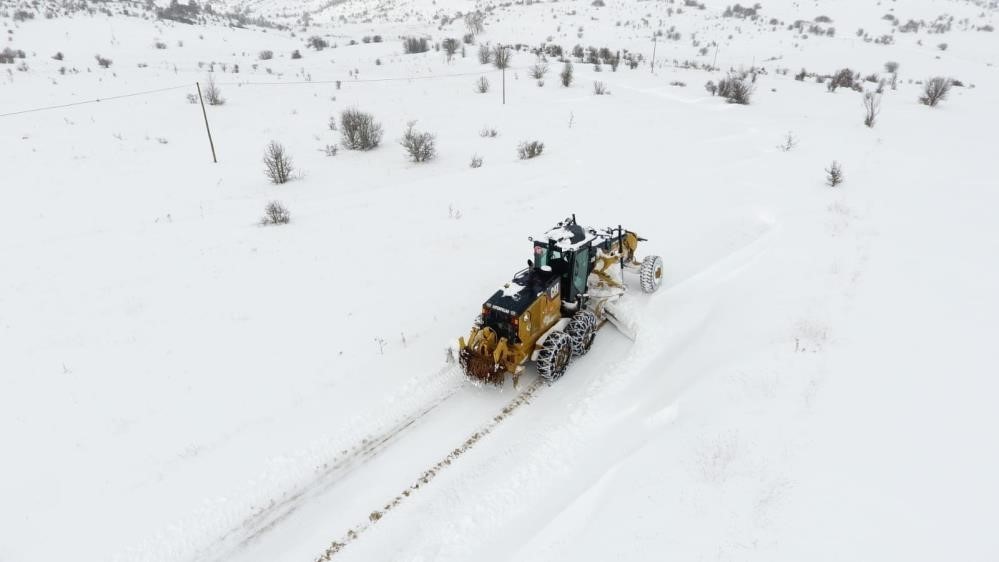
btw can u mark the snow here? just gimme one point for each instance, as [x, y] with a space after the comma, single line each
[813, 381]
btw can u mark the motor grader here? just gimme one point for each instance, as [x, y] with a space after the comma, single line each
[550, 312]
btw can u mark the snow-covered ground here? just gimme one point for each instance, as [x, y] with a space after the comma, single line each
[814, 382]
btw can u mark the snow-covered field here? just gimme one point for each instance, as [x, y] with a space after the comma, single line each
[178, 382]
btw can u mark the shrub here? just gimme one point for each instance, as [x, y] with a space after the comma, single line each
[538, 71]
[212, 92]
[475, 22]
[599, 88]
[275, 213]
[872, 106]
[488, 132]
[358, 130]
[266, 54]
[566, 74]
[935, 91]
[834, 174]
[103, 62]
[413, 45]
[501, 56]
[891, 67]
[57, 56]
[476, 161]
[419, 145]
[468, 39]
[530, 149]
[296, 54]
[160, 45]
[735, 90]
[842, 78]
[711, 87]
[317, 43]
[277, 163]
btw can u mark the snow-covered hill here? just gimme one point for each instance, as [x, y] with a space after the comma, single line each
[181, 383]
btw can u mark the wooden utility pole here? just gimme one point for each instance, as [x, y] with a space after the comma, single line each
[207, 128]
[506, 62]
[652, 69]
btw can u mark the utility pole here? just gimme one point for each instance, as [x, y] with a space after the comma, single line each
[207, 128]
[715, 64]
[652, 69]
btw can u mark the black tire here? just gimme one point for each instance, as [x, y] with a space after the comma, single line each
[553, 359]
[582, 329]
[652, 273]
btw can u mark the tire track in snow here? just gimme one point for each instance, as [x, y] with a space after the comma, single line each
[519, 400]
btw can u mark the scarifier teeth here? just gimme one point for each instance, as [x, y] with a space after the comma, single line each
[480, 367]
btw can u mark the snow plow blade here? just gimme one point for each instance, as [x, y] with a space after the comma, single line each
[622, 319]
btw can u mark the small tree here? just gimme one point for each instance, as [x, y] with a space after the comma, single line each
[450, 46]
[872, 106]
[482, 85]
[530, 149]
[501, 57]
[412, 45]
[475, 22]
[101, 61]
[834, 174]
[599, 88]
[711, 87]
[275, 213]
[212, 92]
[277, 163]
[935, 91]
[359, 130]
[538, 71]
[420, 146]
[266, 54]
[317, 43]
[566, 74]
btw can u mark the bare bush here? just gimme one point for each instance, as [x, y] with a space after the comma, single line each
[413, 45]
[834, 174]
[476, 161]
[501, 57]
[891, 67]
[485, 54]
[213, 94]
[482, 85]
[530, 149]
[266, 54]
[316, 42]
[538, 70]
[276, 213]
[566, 75]
[103, 62]
[935, 90]
[488, 133]
[359, 130]
[420, 146]
[843, 78]
[599, 88]
[277, 163]
[872, 106]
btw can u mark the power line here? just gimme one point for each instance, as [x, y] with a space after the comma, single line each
[96, 100]
[292, 83]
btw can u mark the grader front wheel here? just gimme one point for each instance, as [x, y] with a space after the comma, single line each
[652, 273]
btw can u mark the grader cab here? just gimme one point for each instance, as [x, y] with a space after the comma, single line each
[551, 311]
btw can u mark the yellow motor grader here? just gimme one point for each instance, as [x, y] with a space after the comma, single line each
[550, 312]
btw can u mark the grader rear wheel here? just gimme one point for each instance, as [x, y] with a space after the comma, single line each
[554, 356]
[582, 329]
